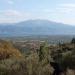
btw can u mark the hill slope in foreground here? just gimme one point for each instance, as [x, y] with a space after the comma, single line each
[7, 50]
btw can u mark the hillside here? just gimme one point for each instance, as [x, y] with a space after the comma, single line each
[36, 27]
[7, 50]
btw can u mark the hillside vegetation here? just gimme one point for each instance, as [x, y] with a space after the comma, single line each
[37, 62]
[7, 50]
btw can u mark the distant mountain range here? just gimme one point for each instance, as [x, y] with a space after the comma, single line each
[36, 27]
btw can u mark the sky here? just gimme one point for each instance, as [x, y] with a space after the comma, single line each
[62, 11]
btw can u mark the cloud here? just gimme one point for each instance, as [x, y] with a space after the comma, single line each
[11, 16]
[59, 14]
[10, 2]
[64, 10]
[12, 13]
[70, 5]
[67, 8]
[66, 20]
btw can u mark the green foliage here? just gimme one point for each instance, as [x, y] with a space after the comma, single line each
[64, 54]
[69, 60]
[73, 41]
[44, 52]
[34, 63]
[37, 68]
[41, 54]
[27, 66]
[13, 67]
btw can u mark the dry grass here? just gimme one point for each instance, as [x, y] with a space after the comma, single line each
[7, 50]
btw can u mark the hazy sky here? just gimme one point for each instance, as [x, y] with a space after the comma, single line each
[54, 10]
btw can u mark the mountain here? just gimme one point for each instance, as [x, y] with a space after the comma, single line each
[36, 27]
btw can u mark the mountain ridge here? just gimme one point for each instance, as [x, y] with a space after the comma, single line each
[36, 27]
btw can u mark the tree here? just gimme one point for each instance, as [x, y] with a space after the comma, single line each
[41, 54]
[44, 52]
[73, 41]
